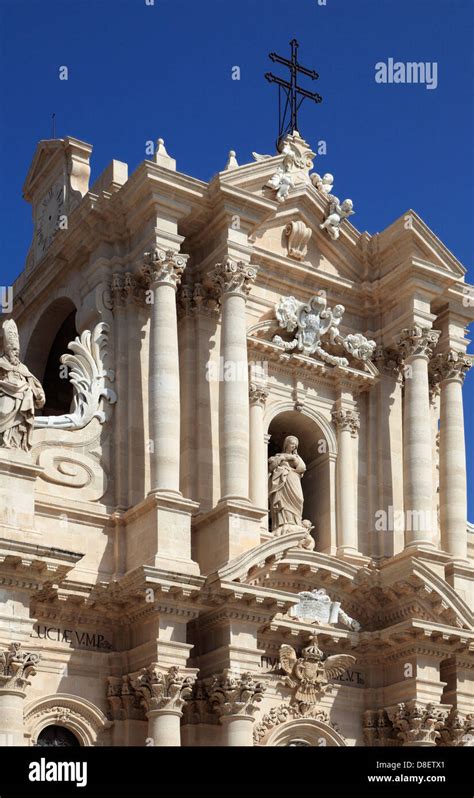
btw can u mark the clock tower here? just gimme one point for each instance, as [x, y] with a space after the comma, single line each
[56, 182]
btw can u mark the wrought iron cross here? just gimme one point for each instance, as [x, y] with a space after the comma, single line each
[294, 93]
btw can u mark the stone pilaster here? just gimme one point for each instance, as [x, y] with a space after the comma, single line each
[417, 724]
[163, 696]
[235, 699]
[458, 730]
[347, 425]
[16, 668]
[416, 347]
[258, 451]
[448, 370]
[234, 280]
[162, 271]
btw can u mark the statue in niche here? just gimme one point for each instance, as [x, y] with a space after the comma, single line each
[20, 393]
[284, 488]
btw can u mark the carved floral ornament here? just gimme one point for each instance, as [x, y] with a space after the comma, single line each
[160, 690]
[16, 667]
[283, 713]
[416, 722]
[313, 321]
[163, 266]
[450, 365]
[231, 694]
[418, 341]
[233, 277]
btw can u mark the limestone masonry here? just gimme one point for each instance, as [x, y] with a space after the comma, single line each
[232, 464]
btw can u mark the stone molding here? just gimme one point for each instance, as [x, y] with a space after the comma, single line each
[346, 420]
[231, 694]
[162, 691]
[196, 299]
[16, 666]
[417, 341]
[284, 712]
[233, 277]
[82, 717]
[163, 266]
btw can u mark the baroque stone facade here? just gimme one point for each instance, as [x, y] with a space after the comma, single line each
[232, 465]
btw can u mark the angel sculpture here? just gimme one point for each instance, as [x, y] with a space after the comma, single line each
[309, 675]
[324, 183]
[281, 181]
[337, 214]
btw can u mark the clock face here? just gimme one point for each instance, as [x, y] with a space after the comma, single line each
[50, 210]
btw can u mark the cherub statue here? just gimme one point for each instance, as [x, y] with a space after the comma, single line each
[324, 183]
[309, 675]
[337, 214]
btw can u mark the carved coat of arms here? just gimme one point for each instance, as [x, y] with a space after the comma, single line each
[309, 675]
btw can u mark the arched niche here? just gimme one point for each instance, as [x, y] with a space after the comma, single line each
[304, 732]
[86, 721]
[51, 335]
[317, 447]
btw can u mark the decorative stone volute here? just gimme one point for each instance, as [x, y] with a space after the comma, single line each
[16, 667]
[233, 277]
[234, 695]
[165, 691]
[346, 420]
[298, 237]
[417, 341]
[160, 266]
[415, 723]
[450, 365]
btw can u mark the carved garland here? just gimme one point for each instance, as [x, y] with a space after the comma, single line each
[284, 712]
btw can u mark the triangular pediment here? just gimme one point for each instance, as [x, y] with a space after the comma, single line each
[53, 156]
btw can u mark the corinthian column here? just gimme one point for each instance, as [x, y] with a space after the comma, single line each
[234, 281]
[416, 347]
[449, 370]
[163, 271]
[163, 697]
[235, 700]
[417, 724]
[347, 424]
[258, 457]
[16, 667]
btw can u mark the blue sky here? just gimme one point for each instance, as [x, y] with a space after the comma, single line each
[138, 71]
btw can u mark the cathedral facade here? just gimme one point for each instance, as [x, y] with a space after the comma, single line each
[232, 465]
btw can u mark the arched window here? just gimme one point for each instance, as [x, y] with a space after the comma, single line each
[57, 737]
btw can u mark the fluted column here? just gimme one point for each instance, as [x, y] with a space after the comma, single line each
[347, 424]
[449, 370]
[416, 347]
[163, 697]
[234, 281]
[258, 456]
[16, 667]
[235, 699]
[163, 271]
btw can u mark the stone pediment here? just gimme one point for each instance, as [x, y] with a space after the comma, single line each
[53, 156]
[409, 237]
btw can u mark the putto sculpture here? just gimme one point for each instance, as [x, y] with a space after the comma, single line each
[337, 213]
[294, 168]
[285, 495]
[313, 320]
[324, 183]
[309, 674]
[20, 393]
[317, 607]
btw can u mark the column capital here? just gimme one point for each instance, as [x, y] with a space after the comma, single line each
[258, 394]
[417, 723]
[417, 341]
[163, 267]
[233, 277]
[346, 420]
[16, 667]
[194, 299]
[124, 290]
[450, 365]
[388, 361]
[458, 729]
[162, 691]
[231, 695]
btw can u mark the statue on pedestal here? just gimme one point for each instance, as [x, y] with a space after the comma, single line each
[20, 393]
[284, 488]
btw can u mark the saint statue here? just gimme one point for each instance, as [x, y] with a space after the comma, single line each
[285, 494]
[20, 393]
